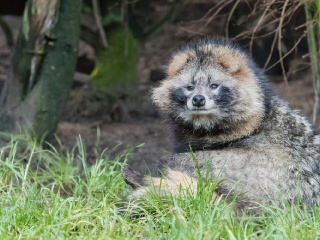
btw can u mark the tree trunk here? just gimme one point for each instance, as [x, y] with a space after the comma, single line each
[43, 67]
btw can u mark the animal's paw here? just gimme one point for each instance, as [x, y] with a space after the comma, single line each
[171, 182]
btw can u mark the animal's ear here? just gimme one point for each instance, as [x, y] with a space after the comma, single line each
[235, 65]
[176, 64]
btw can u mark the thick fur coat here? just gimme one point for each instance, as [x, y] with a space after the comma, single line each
[218, 101]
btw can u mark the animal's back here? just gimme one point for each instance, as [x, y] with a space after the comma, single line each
[280, 161]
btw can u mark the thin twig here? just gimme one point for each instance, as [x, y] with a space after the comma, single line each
[301, 68]
[211, 10]
[81, 77]
[271, 51]
[260, 21]
[280, 42]
[306, 24]
[229, 17]
[290, 51]
[276, 19]
[214, 15]
[98, 19]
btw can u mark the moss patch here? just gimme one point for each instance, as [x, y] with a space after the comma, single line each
[116, 66]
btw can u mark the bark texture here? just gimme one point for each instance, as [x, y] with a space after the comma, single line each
[43, 67]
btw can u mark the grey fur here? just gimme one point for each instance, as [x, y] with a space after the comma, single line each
[278, 158]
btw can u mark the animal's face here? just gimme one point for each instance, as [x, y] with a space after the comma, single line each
[210, 88]
[203, 97]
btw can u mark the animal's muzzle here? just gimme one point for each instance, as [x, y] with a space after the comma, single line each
[198, 101]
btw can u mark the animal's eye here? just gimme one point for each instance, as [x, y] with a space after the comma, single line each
[214, 86]
[190, 88]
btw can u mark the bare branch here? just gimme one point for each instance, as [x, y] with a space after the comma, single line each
[98, 19]
[280, 41]
[271, 51]
[258, 24]
[229, 17]
[214, 15]
[290, 51]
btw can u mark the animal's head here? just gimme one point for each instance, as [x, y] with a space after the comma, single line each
[213, 84]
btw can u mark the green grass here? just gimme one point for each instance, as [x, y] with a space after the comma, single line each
[54, 194]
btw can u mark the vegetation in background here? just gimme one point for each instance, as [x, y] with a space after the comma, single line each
[117, 56]
[125, 26]
[313, 23]
[117, 65]
[54, 194]
[277, 35]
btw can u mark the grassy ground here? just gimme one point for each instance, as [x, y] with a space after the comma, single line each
[53, 194]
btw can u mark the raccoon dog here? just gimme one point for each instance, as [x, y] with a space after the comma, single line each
[217, 100]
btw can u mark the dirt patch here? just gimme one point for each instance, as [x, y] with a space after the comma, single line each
[152, 134]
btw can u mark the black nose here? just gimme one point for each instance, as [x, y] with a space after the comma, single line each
[198, 101]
